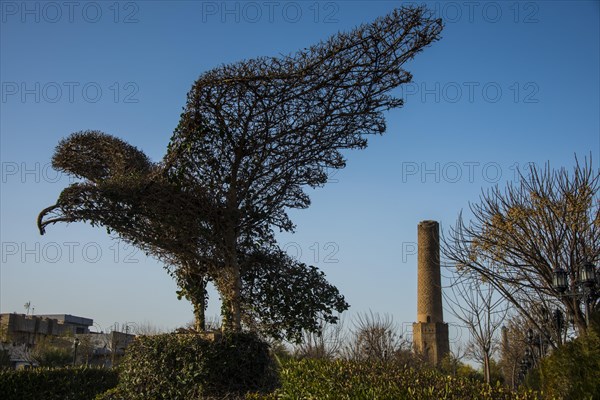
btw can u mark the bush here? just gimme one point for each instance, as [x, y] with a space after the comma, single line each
[55, 384]
[54, 358]
[187, 366]
[572, 371]
[323, 379]
[53, 352]
[4, 359]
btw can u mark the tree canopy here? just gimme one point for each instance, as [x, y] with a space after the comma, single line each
[130, 196]
[254, 133]
[252, 136]
[519, 236]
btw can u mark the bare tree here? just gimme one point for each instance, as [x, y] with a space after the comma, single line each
[147, 328]
[375, 338]
[480, 309]
[514, 346]
[453, 360]
[519, 236]
[524, 344]
[85, 349]
[328, 343]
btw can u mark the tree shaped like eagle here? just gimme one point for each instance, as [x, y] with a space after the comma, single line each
[253, 134]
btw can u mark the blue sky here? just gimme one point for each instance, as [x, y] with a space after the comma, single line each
[508, 84]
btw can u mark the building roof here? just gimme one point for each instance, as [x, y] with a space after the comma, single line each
[68, 319]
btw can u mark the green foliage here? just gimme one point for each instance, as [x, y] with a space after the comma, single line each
[496, 372]
[4, 359]
[468, 372]
[132, 197]
[282, 297]
[53, 352]
[55, 384]
[452, 366]
[572, 371]
[322, 379]
[55, 357]
[252, 137]
[188, 366]
[255, 134]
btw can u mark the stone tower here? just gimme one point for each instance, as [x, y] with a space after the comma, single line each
[430, 333]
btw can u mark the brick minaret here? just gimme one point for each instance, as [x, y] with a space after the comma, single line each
[430, 333]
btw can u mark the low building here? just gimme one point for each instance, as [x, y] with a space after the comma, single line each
[27, 329]
[20, 333]
[71, 323]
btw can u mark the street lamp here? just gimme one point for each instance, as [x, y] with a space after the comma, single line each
[525, 365]
[530, 335]
[535, 350]
[586, 284]
[559, 280]
[587, 274]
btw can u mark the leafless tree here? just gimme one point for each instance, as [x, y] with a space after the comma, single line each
[453, 360]
[524, 342]
[147, 328]
[213, 323]
[514, 345]
[518, 236]
[376, 338]
[327, 343]
[481, 309]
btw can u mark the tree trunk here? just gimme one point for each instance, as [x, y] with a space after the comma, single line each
[486, 367]
[513, 376]
[193, 281]
[200, 317]
[194, 285]
[574, 309]
[231, 310]
[236, 299]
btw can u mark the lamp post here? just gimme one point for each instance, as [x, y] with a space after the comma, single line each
[586, 284]
[537, 341]
[525, 365]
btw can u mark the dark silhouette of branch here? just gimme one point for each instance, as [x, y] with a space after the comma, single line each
[252, 135]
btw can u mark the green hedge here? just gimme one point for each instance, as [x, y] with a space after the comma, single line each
[189, 367]
[321, 379]
[572, 371]
[55, 384]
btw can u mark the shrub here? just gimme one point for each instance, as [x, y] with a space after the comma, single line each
[55, 384]
[572, 371]
[338, 379]
[53, 352]
[54, 358]
[4, 359]
[187, 366]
